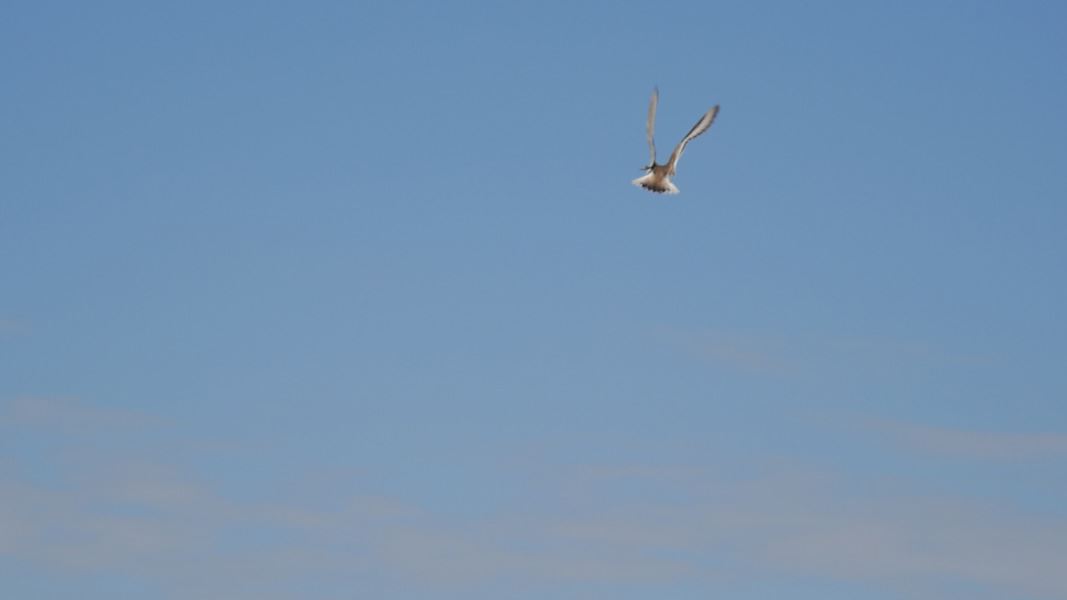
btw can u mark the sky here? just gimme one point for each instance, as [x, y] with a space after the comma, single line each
[343, 300]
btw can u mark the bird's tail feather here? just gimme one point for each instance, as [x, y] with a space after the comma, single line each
[654, 183]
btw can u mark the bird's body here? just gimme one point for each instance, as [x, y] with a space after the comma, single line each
[658, 180]
[659, 176]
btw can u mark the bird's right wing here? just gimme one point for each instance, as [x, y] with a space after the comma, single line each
[651, 125]
[702, 125]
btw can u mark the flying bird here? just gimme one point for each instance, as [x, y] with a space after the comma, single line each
[659, 176]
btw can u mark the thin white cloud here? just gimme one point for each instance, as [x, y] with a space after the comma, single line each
[748, 353]
[11, 327]
[988, 445]
[174, 529]
[819, 527]
[67, 414]
[592, 525]
[796, 355]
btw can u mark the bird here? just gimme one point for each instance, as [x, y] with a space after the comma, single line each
[658, 177]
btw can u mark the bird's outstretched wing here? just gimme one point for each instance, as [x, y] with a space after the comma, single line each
[702, 125]
[651, 124]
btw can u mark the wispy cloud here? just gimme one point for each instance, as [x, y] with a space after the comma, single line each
[761, 355]
[173, 529]
[67, 413]
[785, 355]
[592, 525]
[991, 445]
[818, 526]
[11, 326]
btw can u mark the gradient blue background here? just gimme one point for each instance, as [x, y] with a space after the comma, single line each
[355, 300]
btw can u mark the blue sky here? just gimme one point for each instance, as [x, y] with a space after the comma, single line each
[336, 300]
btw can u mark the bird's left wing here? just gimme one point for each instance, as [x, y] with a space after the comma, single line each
[650, 125]
[702, 125]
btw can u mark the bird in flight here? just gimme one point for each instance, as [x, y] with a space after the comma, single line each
[658, 178]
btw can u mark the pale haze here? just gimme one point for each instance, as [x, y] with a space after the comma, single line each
[344, 300]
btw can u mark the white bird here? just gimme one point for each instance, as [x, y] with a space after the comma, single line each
[658, 178]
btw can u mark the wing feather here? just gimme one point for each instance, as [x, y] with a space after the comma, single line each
[702, 125]
[651, 124]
